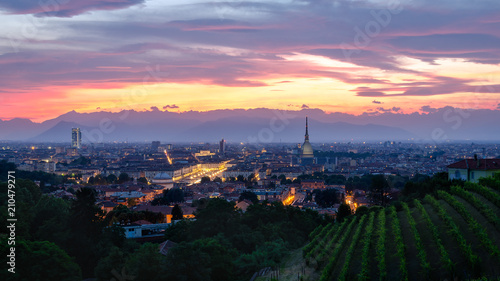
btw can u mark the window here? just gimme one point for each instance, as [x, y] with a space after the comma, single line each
[472, 175]
[457, 174]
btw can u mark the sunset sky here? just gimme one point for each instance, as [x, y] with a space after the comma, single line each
[340, 56]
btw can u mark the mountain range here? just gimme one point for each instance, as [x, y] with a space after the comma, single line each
[259, 125]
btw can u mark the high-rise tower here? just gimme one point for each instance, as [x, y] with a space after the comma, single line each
[76, 138]
[222, 146]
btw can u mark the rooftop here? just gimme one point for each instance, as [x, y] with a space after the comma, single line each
[477, 164]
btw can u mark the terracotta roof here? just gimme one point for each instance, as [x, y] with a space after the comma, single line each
[108, 204]
[484, 164]
[165, 210]
[141, 222]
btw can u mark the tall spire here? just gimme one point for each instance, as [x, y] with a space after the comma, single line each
[307, 132]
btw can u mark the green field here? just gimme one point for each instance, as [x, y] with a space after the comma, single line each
[450, 236]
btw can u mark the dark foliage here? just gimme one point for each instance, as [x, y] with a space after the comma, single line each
[249, 196]
[326, 198]
[123, 215]
[257, 238]
[421, 185]
[174, 195]
[177, 213]
[343, 212]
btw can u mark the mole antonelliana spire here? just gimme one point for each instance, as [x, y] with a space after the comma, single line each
[307, 132]
[307, 151]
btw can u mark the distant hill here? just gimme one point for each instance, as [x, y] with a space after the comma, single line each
[261, 124]
[232, 129]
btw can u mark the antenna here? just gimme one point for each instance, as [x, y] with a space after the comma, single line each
[307, 131]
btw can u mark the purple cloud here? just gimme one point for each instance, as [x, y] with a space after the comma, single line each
[377, 102]
[304, 106]
[394, 109]
[371, 94]
[428, 109]
[64, 8]
[236, 51]
[170, 106]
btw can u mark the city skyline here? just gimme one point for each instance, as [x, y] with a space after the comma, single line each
[345, 57]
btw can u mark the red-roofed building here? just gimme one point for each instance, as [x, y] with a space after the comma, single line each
[473, 169]
[107, 206]
[313, 184]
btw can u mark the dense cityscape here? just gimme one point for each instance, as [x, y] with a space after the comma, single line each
[146, 193]
[263, 140]
[274, 171]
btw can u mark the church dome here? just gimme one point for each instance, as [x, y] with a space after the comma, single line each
[162, 176]
[307, 150]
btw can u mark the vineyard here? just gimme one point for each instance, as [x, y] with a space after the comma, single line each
[453, 235]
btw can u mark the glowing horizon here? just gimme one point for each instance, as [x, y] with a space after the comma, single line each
[346, 57]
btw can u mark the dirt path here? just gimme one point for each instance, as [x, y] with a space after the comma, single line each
[292, 269]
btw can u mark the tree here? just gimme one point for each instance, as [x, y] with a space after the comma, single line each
[86, 223]
[27, 196]
[131, 202]
[184, 263]
[123, 177]
[81, 161]
[85, 215]
[177, 213]
[42, 260]
[5, 167]
[343, 212]
[217, 179]
[221, 256]
[378, 187]
[111, 178]
[361, 210]
[115, 260]
[251, 177]
[205, 179]
[216, 217]
[142, 180]
[50, 220]
[326, 198]
[249, 196]
[178, 232]
[173, 195]
[99, 180]
[148, 255]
